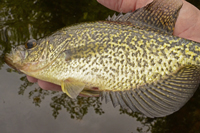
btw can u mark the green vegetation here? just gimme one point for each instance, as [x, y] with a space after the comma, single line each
[21, 20]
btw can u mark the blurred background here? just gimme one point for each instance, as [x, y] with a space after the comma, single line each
[24, 107]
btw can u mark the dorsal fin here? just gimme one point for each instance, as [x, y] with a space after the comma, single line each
[159, 98]
[159, 16]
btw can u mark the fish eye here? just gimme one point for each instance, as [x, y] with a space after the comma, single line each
[30, 43]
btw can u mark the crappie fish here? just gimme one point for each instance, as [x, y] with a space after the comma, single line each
[133, 60]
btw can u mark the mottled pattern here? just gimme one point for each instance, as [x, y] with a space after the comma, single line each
[116, 57]
[133, 60]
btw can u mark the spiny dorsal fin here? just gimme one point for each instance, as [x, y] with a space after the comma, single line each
[159, 16]
[160, 98]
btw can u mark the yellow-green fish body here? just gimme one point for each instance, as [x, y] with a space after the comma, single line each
[139, 65]
[113, 57]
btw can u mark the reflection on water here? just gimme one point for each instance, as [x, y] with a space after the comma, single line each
[21, 20]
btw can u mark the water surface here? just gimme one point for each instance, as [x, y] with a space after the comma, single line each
[24, 107]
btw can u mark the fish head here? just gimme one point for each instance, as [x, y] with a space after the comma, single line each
[34, 56]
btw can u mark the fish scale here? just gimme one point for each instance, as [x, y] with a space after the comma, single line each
[133, 60]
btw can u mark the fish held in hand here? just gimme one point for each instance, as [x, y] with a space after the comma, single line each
[133, 59]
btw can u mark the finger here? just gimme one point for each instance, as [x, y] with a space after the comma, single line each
[31, 79]
[124, 5]
[49, 86]
[82, 95]
[187, 24]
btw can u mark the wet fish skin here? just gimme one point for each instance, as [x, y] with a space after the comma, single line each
[100, 57]
[136, 64]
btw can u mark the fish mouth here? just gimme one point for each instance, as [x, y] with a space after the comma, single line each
[15, 57]
[8, 60]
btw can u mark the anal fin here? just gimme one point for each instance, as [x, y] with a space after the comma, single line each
[162, 97]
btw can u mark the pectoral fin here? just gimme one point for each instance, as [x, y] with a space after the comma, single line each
[72, 87]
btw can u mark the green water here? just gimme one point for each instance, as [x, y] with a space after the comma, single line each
[25, 108]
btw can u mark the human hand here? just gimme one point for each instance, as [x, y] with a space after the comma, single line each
[187, 25]
[188, 22]
[44, 85]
